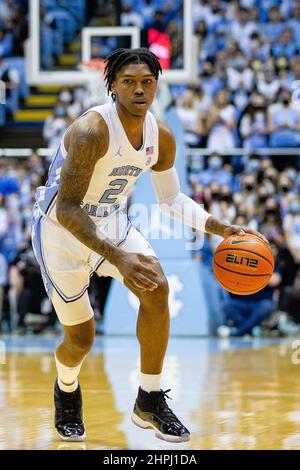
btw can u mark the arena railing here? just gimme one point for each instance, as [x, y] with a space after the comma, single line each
[267, 151]
[46, 152]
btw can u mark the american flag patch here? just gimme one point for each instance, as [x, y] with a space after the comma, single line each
[149, 150]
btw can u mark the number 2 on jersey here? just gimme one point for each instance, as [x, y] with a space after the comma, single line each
[118, 187]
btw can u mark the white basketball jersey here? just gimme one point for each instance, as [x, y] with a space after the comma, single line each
[114, 174]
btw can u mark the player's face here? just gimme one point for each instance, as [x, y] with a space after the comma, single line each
[135, 88]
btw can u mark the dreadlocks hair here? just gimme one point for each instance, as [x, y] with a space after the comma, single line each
[120, 57]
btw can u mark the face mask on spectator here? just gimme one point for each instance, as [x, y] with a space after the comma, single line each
[65, 97]
[59, 112]
[226, 197]
[271, 210]
[249, 187]
[215, 163]
[263, 197]
[253, 165]
[238, 63]
[292, 174]
[294, 207]
[215, 195]
[254, 44]
[26, 215]
[285, 188]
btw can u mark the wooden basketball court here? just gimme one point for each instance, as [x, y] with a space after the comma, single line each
[232, 394]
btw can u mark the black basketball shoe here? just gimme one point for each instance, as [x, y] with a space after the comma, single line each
[151, 411]
[68, 414]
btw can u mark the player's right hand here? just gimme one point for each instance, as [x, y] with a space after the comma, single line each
[138, 271]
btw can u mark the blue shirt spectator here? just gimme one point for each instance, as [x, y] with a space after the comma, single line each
[6, 43]
[215, 173]
[285, 45]
[272, 30]
[8, 185]
[294, 25]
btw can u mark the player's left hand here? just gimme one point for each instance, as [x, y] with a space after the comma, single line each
[238, 230]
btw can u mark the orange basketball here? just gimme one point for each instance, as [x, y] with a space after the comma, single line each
[243, 264]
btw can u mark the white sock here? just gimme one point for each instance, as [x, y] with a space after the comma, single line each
[67, 376]
[150, 382]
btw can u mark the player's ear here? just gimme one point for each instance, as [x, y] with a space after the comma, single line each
[113, 87]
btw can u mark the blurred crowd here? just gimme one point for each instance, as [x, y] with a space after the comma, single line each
[253, 192]
[13, 32]
[248, 76]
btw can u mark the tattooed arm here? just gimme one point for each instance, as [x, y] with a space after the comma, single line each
[86, 142]
[217, 227]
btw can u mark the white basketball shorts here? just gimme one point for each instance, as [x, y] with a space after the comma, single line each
[67, 264]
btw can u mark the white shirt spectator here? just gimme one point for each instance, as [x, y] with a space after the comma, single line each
[221, 136]
[132, 18]
[6, 11]
[266, 88]
[240, 79]
[203, 104]
[241, 32]
[3, 273]
[204, 12]
[291, 225]
[53, 130]
[12, 73]
[3, 221]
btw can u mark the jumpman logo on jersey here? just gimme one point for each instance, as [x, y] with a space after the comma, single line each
[118, 153]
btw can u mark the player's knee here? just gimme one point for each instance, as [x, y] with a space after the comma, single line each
[160, 294]
[162, 289]
[81, 339]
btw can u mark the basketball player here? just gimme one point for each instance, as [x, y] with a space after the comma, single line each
[80, 228]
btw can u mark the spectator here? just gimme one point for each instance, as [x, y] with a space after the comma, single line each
[248, 192]
[293, 300]
[221, 122]
[56, 125]
[239, 75]
[210, 82]
[27, 282]
[274, 27]
[267, 84]
[294, 24]
[210, 13]
[174, 31]
[284, 122]
[3, 219]
[6, 43]
[285, 46]
[3, 283]
[215, 173]
[191, 119]
[262, 196]
[242, 28]
[271, 223]
[258, 49]
[159, 22]
[10, 76]
[202, 101]
[254, 124]
[129, 17]
[6, 10]
[291, 226]
[227, 206]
